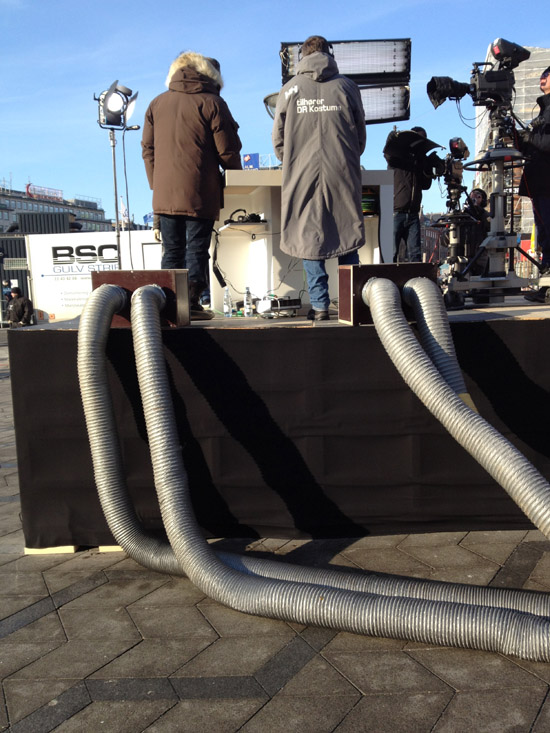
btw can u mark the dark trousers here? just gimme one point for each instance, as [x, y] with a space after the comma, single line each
[541, 212]
[406, 226]
[185, 242]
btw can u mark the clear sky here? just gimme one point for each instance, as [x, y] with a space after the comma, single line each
[55, 55]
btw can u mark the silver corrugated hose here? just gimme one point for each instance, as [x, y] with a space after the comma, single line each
[129, 537]
[426, 300]
[453, 624]
[527, 487]
[109, 473]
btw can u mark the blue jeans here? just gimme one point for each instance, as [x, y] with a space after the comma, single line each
[186, 241]
[541, 213]
[406, 226]
[317, 279]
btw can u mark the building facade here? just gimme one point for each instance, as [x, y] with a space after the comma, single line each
[85, 214]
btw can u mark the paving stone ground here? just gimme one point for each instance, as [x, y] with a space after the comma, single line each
[92, 641]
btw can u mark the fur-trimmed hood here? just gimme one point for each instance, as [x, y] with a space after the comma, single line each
[191, 61]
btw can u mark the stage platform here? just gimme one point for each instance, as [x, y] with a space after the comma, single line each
[289, 428]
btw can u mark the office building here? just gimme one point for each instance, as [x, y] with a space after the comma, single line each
[83, 213]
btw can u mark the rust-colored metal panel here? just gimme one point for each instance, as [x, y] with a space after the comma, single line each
[175, 284]
[351, 279]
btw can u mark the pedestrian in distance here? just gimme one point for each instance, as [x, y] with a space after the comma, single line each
[20, 309]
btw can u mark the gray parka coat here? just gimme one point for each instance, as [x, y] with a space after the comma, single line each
[188, 134]
[319, 134]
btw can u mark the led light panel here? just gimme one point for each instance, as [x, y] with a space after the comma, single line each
[385, 104]
[380, 68]
[366, 62]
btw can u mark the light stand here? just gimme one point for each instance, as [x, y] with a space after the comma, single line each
[115, 107]
[112, 140]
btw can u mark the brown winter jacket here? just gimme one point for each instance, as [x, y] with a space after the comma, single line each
[187, 135]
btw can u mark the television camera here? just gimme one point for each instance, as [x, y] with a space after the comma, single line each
[491, 86]
[455, 221]
[453, 170]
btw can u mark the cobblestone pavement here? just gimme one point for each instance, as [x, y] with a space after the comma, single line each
[91, 641]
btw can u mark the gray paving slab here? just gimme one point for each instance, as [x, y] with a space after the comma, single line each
[15, 656]
[491, 711]
[98, 623]
[158, 658]
[172, 622]
[387, 671]
[398, 713]
[234, 655]
[300, 714]
[92, 637]
[173, 592]
[75, 659]
[463, 670]
[126, 716]
[222, 716]
[24, 697]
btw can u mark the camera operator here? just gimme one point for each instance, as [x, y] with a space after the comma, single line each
[477, 230]
[414, 171]
[535, 181]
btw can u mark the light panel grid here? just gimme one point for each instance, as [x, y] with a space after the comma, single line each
[359, 59]
[385, 104]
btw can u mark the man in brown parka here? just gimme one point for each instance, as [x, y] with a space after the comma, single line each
[188, 134]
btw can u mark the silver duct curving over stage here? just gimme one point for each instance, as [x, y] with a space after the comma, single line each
[493, 619]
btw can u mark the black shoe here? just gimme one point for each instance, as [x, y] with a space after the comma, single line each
[198, 313]
[536, 296]
[315, 315]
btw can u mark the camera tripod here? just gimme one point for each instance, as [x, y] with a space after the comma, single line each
[499, 278]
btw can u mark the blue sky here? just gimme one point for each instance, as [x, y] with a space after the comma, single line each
[56, 54]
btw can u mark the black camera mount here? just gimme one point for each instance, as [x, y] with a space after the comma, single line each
[491, 86]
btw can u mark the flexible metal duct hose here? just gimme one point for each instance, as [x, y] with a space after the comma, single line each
[149, 551]
[454, 624]
[426, 300]
[377, 583]
[109, 474]
[527, 487]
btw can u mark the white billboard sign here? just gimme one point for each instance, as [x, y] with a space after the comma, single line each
[61, 266]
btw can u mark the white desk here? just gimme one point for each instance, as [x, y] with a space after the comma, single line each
[250, 254]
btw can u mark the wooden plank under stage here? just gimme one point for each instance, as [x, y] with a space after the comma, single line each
[289, 428]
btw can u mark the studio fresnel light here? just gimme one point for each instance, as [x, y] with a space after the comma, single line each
[115, 106]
